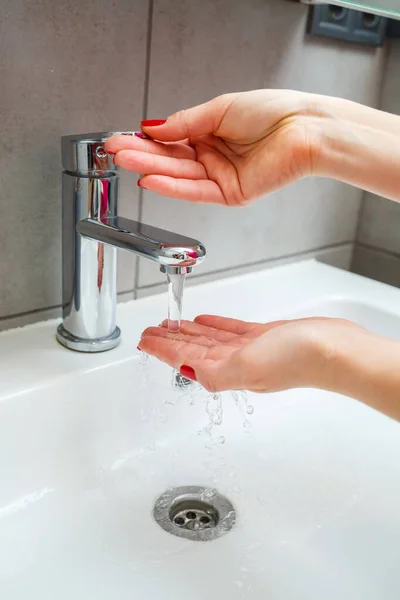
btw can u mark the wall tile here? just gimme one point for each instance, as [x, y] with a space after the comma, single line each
[379, 224]
[309, 214]
[204, 48]
[66, 67]
[21, 320]
[376, 264]
[29, 318]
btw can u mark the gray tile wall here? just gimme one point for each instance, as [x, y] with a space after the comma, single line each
[65, 67]
[377, 252]
[69, 67]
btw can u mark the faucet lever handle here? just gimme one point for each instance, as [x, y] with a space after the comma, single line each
[84, 153]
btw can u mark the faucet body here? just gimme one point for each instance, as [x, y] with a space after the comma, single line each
[92, 231]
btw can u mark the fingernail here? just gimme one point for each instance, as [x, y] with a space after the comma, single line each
[153, 122]
[188, 372]
[140, 184]
[138, 348]
[140, 135]
[109, 152]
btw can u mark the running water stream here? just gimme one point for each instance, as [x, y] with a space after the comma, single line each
[212, 402]
[176, 283]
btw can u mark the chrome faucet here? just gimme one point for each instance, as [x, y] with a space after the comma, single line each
[91, 233]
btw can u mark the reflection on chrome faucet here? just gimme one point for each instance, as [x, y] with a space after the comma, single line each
[92, 231]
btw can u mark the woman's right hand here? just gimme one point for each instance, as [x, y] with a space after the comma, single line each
[238, 147]
[230, 150]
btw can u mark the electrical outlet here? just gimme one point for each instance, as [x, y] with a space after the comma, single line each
[393, 29]
[341, 23]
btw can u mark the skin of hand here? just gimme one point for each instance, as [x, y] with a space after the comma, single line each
[331, 354]
[238, 147]
[232, 150]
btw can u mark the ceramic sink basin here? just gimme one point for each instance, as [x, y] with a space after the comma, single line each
[89, 442]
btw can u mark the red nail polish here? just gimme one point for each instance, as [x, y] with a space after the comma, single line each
[139, 348]
[140, 184]
[188, 372]
[140, 135]
[153, 122]
[111, 153]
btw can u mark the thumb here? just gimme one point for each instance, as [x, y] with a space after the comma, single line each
[192, 122]
[215, 375]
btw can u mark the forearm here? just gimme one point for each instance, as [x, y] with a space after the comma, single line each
[367, 368]
[360, 146]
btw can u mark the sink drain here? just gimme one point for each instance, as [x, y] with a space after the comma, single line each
[195, 513]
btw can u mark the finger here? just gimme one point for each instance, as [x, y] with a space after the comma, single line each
[196, 329]
[177, 352]
[149, 164]
[117, 143]
[201, 340]
[193, 122]
[221, 374]
[214, 368]
[235, 326]
[193, 190]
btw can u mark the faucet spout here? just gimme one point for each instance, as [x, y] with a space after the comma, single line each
[92, 231]
[173, 252]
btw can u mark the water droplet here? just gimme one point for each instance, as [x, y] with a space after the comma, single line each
[214, 410]
[162, 503]
[221, 439]
[241, 401]
[209, 493]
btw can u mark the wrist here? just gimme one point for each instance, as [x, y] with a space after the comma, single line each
[367, 368]
[356, 145]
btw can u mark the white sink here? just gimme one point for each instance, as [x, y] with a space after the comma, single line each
[88, 443]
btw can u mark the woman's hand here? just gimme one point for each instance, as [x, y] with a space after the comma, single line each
[228, 354]
[238, 147]
[332, 354]
[228, 151]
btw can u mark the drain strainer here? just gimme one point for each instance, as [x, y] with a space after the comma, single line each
[195, 513]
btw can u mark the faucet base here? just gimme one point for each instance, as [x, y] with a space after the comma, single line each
[78, 344]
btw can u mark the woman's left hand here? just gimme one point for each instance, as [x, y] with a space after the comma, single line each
[331, 354]
[223, 353]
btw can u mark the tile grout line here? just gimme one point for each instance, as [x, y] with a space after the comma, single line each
[37, 311]
[262, 262]
[379, 250]
[27, 313]
[144, 115]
